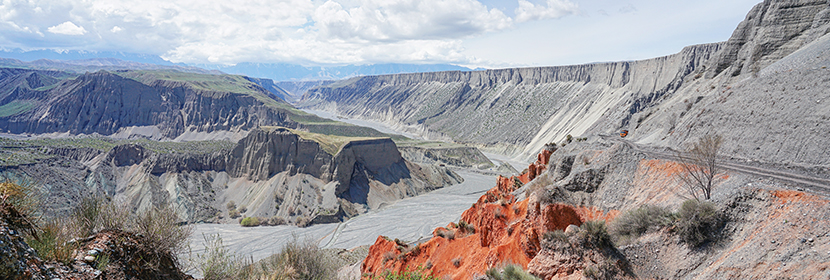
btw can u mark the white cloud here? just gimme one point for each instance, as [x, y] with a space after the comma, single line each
[299, 31]
[396, 20]
[67, 28]
[527, 11]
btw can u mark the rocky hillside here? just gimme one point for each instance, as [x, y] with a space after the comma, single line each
[777, 51]
[154, 104]
[273, 174]
[551, 225]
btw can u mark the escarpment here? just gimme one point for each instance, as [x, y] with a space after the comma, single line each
[757, 81]
[510, 109]
[149, 105]
[272, 174]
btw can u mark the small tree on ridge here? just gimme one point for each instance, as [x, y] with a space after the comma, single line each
[699, 166]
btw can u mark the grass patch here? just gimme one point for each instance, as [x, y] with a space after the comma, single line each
[331, 144]
[52, 242]
[217, 84]
[16, 107]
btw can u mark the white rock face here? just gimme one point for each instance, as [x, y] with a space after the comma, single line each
[764, 89]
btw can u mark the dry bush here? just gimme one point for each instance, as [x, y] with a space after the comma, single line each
[509, 272]
[233, 214]
[296, 260]
[698, 222]
[53, 241]
[446, 233]
[24, 195]
[700, 166]
[465, 227]
[636, 222]
[456, 262]
[161, 228]
[595, 233]
[217, 263]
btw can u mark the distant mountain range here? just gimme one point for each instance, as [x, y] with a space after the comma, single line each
[90, 61]
[294, 72]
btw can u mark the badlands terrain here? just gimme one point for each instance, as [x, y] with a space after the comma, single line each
[460, 175]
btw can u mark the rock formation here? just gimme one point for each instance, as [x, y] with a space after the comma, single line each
[272, 172]
[757, 89]
[496, 230]
[151, 104]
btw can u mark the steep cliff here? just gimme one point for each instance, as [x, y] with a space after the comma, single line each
[511, 108]
[161, 105]
[778, 50]
[768, 230]
[274, 173]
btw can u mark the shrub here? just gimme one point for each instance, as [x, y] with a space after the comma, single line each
[275, 221]
[698, 222]
[303, 222]
[85, 215]
[517, 184]
[231, 205]
[636, 222]
[510, 272]
[456, 262]
[233, 214]
[217, 263]
[296, 260]
[52, 242]
[446, 233]
[596, 234]
[23, 195]
[160, 228]
[250, 222]
[243, 209]
[468, 228]
[555, 236]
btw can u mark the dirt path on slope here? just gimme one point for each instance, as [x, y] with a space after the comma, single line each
[817, 184]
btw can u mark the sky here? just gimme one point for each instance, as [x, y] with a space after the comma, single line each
[484, 33]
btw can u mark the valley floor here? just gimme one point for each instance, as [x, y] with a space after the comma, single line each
[409, 219]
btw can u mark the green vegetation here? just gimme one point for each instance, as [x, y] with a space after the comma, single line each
[16, 152]
[250, 222]
[634, 223]
[331, 144]
[217, 84]
[296, 260]
[698, 222]
[217, 263]
[16, 107]
[510, 272]
[51, 242]
[419, 274]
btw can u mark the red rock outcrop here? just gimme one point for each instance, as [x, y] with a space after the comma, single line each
[497, 229]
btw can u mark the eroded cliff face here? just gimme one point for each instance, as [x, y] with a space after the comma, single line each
[514, 110]
[497, 229]
[106, 103]
[758, 81]
[769, 231]
[272, 172]
[771, 31]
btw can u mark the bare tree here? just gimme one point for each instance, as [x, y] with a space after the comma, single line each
[699, 166]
